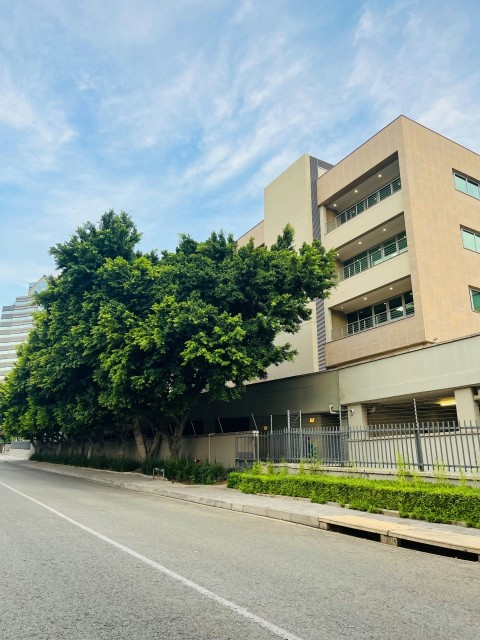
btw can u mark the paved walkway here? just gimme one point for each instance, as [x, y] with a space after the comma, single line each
[386, 528]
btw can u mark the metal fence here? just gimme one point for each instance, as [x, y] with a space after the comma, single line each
[426, 446]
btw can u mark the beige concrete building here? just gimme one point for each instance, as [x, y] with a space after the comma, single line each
[402, 213]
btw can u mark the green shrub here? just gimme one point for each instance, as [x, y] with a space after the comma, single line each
[186, 470]
[180, 470]
[420, 500]
[94, 462]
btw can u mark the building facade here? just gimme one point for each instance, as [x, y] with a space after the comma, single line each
[16, 321]
[402, 213]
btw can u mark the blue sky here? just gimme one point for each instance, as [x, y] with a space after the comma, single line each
[181, 112]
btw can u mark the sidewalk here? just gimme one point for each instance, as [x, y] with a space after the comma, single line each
[388, 529]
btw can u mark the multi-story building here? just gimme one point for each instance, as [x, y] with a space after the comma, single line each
[402, 213]
[16, 322]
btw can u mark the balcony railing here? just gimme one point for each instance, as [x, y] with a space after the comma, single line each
[370, 201]
[372, 322]
[377, 256]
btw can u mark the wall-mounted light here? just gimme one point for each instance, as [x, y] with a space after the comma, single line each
[447, 402]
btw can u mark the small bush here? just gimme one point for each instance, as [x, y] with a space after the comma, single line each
[186, 470]
[420, 500]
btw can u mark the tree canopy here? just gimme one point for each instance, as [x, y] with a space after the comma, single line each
[127, 340]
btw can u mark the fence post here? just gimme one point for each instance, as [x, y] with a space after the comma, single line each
[418, 442]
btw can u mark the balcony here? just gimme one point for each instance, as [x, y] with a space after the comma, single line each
[371, 200]
[393, 310]
[373, 257]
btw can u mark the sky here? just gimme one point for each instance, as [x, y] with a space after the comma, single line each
[180, 112]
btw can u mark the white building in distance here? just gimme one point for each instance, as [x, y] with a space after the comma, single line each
[16, 323]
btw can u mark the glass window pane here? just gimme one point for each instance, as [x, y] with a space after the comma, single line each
[477, 243]
[385, 191]
[468, 240]
[373, 199]
[409, 307]
[352, 320]
[396, 308]
[402, 241]
[375, 255]
[460, 183]
[475, 300]
[366, 312]
[472, 188]
[390, 248]
[361, 262]
[380, 311]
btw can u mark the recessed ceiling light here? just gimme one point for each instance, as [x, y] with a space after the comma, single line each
[364, 298]
[391, 288]
[356, 190]
[379, 175]
[341, 307]
[334, 205]
[384, 229]
[359, 242]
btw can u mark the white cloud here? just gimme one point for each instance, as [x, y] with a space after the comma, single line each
[412, 60]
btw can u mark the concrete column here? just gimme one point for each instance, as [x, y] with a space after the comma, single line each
[467, 408]
[357, 416]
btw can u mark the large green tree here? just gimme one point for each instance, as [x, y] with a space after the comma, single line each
[52, 396]
[126, 340]
[203, 319]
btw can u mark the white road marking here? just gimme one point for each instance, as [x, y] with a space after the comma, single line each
[245, 613]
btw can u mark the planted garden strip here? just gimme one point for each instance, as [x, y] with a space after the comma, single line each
[412, 499]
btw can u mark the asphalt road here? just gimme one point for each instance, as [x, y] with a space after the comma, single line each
[88, 562]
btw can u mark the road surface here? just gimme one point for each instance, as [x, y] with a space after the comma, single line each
[85, 561]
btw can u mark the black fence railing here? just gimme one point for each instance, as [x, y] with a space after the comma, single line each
[424, 446]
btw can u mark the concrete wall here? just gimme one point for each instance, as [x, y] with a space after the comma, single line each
[309, 393]
[214, 448]
[435, 368]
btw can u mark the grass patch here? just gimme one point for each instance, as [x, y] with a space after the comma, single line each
[415, 499]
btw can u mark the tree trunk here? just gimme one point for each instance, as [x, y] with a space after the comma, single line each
[175, 441]
[140, 440]
[90, 448]
[155, 446]
[99, 446]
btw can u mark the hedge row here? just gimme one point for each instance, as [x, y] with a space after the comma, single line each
[177, 469]
[419, 500]
[94, 462]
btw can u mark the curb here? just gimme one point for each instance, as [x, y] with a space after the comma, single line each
[391, 533]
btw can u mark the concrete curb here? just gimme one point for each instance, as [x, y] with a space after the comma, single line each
[387, 532]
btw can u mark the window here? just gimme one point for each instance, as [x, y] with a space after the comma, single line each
[471, 240]
[467, 185]
[475, 296]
